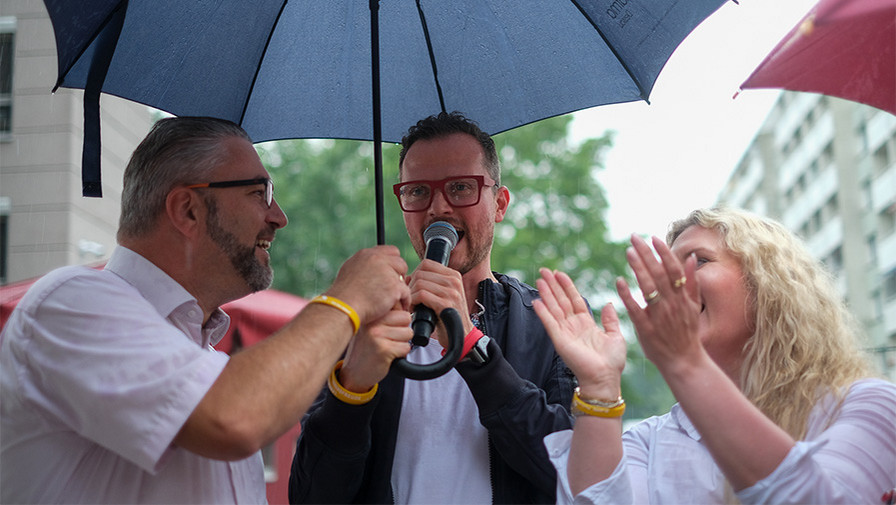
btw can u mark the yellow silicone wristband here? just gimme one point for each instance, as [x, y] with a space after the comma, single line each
[344, 307]
[344, 394]
[580, 406]
[600, 403]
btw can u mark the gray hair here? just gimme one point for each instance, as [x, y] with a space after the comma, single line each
[177, 151]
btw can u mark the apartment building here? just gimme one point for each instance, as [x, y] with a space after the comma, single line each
[826, 168]
[44, 221]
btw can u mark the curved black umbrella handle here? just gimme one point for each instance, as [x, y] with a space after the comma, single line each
[452, 355]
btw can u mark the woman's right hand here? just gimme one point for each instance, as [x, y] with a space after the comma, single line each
[596, 356]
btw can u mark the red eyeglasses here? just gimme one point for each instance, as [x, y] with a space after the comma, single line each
[460, 191]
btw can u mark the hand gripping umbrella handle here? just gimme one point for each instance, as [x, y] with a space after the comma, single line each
[452, 355]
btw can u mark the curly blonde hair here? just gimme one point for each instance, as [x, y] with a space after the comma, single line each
[806, 343]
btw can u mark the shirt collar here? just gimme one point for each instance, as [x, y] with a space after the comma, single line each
[166, 294]
[216, 326]
[684, 423]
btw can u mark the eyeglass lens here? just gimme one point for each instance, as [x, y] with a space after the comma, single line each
[269, 192]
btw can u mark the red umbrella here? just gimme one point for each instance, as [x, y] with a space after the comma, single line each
[10, 295]
[844, 48]
[252, 319]
[255, 317]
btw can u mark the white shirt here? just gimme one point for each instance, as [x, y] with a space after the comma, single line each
[441, 454]
[851, 461]
[99, 370]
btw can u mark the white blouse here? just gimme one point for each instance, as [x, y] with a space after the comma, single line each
[852, 460]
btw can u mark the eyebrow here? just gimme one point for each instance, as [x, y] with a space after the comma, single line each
[696, 250]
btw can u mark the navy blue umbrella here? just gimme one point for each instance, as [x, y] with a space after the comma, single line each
[363, 70]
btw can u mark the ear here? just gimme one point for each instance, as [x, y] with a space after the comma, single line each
[186, 211]
[503, 201]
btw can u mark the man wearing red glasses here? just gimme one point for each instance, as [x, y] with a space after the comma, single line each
[475, 434]
[110, 389]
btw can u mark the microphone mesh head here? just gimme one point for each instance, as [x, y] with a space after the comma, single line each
[441, 229]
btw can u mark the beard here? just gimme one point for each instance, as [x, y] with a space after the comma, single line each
[257, 275]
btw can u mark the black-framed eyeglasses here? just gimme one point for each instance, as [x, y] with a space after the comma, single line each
[460, 191]
[268, 186]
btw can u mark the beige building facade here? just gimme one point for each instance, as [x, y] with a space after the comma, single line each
[44, 221]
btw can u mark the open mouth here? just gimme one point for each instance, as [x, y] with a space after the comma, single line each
[263, 244]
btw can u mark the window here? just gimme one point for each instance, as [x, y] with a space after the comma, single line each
[4, 238]
[872, 248]
[826, 158]
[830, 209]
[886, 221]
[834, 261]
[889, 285]
[814, 223]
[862, 134]
[7, 37]
[880, 160]
[813, 169]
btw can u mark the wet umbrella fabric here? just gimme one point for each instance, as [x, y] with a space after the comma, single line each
[842, 48]
[307, 69]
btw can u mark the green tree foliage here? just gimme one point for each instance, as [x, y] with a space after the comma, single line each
[646, 393]
[555, 220]
[557, 207]
[326, 189]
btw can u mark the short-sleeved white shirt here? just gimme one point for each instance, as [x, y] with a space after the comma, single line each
[99, 370]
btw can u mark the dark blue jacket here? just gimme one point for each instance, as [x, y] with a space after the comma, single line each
[345, 452]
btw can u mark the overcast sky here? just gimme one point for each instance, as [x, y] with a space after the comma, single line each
[675, 154]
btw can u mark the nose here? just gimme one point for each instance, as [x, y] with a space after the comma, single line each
[439, 204]
[276, 216]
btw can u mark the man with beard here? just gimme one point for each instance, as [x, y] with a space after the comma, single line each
[475, 434]
[110, 389]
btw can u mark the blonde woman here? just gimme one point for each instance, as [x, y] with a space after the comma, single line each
[776, 403]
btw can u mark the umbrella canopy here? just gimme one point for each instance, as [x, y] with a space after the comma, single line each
[844, 48]
[311, 68]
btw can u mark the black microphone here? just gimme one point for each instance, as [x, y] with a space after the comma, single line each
[440, 238]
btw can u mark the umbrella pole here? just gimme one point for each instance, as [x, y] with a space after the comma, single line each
[377, 119]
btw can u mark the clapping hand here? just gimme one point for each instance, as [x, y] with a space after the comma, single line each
[596, 356]
[667, 325]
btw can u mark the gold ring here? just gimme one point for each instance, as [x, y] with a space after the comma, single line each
[680, 282]
[652, 297]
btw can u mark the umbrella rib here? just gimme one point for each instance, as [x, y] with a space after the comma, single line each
[260, 60]
[90, 41]
[613, 50]
[432, 56]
